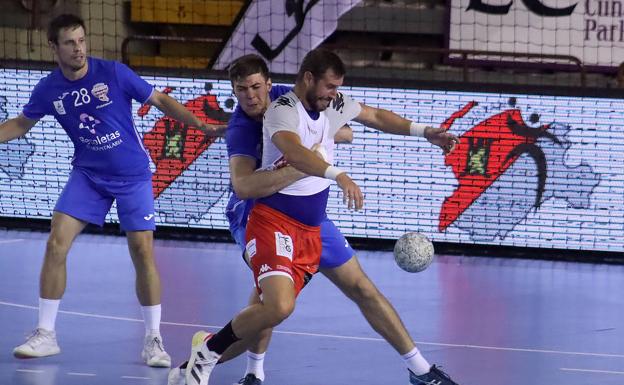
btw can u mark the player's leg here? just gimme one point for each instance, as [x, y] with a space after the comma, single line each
[237, 214]
[135, 206]
[380, 314]
[63, 231]
[254, 372]
[280, 272]
[340, 265]
[147, 285]
[79, 203]
[278, 302]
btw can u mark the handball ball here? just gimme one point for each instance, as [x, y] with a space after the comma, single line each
[413, 252]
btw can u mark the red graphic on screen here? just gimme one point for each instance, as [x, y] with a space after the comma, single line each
[174, 146]
[485, 152]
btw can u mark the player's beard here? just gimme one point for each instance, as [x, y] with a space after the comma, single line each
[317, 104]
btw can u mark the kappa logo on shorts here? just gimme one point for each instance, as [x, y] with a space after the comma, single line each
[251, 248]
[264, 268]
[283, 245]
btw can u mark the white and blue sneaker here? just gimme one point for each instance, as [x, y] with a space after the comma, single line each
[202, 360]
[435, 376]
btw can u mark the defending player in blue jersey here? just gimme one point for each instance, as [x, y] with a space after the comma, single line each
[91, 99]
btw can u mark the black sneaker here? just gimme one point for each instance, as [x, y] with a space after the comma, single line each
[435, 376]
[250, 379]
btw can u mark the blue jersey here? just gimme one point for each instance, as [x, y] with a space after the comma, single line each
[96, 113]
[244, 138]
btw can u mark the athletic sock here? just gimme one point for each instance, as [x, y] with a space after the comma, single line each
[48, 309]
[151, 318]
[225, 337]
[255, 364]
[416, 362]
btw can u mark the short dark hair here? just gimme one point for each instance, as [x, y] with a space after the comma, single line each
[247, 65]
[320, 60]
[65, 20]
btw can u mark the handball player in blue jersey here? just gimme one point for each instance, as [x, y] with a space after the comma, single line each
[254, 92]
[91, 99]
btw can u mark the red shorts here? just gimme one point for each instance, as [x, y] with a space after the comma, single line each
[280, 245]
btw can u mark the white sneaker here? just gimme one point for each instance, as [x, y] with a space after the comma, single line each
[154, 353]
[41, 343]
[176, 375]
[202, 360]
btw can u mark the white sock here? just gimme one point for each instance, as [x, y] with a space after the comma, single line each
[151, 317]
[255, 365]
[48, 309]
[416, 362]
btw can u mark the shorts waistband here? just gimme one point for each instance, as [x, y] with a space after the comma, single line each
[270, 214]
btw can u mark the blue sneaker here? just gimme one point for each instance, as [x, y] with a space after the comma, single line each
[250, 379]
[435, 376]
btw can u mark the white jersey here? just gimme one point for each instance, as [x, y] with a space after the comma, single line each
[287, 113]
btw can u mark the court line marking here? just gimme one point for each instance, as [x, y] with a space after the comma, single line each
[29, 370]
[334, 336]
[136, 378]
[81, 374]
[11, 241]
[591, 371]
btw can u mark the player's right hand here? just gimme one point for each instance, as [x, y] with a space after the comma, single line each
[352, 196]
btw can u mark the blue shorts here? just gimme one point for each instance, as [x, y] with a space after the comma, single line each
[336, 249]
[89, 198]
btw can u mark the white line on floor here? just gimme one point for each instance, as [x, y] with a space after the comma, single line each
[10, 241]
[136, 378]
[29, 370]
[81, 374]
[591, 371]
[334, 336]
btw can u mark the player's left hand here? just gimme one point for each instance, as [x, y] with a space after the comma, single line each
[212, 130]
[441, 138]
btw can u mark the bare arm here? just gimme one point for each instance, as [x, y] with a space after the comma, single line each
[16, 127]
[383, 120]
[306, 161]
[177, 111]
[297, 155]
[250, 183]
[391, 123]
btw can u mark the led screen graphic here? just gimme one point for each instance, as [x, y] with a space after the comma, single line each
[531, 170]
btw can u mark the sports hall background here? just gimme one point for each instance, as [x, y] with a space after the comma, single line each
[528, 86]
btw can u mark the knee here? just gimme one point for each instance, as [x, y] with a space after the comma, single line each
[141, 253]
[57, 248]
[280, 310]
[362, 290]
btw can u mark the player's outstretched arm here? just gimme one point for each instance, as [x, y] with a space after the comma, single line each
[249, 183]
[344, 135]
[16, 127]
[172, 108]
[391, 123]
[306, 161]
